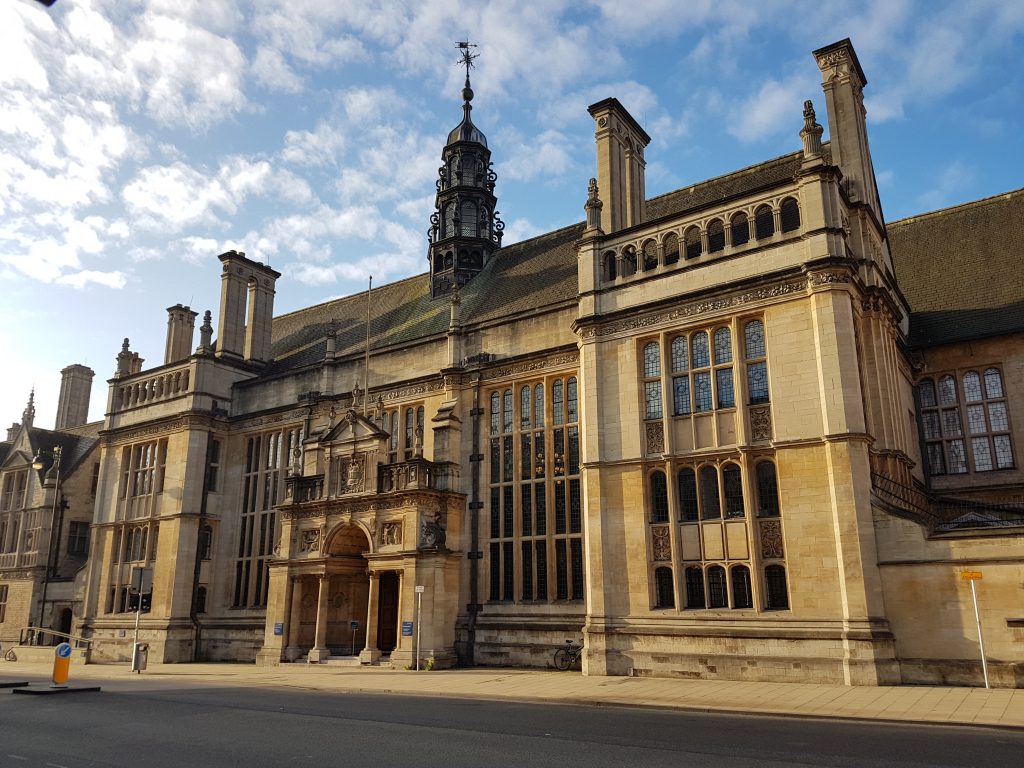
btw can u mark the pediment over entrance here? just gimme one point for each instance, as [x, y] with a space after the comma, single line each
[353, 429]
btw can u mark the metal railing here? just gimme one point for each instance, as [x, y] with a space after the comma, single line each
[49, 637]
[942, 513]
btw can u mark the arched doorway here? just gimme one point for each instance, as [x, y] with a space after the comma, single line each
[348, 590]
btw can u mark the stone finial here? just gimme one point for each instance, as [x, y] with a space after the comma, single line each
[810, 134]
[455, 301]
[332, 339]
[124, 360]
[593, 206]
[206, 334]
[28, 416]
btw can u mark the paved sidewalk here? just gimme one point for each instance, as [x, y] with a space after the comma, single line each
[935, 705]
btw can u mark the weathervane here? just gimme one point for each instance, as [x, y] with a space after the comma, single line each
[467, 55]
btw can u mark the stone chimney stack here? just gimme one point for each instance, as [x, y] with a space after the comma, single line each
[246, 308]
[843, 81]
[181, 323]
[73, 403]
[620, 165]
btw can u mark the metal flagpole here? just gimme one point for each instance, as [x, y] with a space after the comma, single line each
[366, 359]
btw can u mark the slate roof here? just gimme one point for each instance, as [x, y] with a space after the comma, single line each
[74, 446]
[961, 270]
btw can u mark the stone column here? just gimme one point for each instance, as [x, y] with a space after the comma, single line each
[292, 651]
[319, 652]
[370, 654]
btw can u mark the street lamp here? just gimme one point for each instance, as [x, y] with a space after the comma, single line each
[56, 511]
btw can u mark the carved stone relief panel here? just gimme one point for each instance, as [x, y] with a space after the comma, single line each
[661, 546]
[309, 540]
[771, 539]
[761, 422]
[655, 442]
[391, 534]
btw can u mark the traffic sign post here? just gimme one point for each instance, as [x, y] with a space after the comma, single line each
[419, 620]
[973, 576]
[61, 664]
[354, 625]
[142, 588]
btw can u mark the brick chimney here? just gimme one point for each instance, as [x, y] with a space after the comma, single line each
[181, 323]
[246, 308]
[620, 165]
[73, 403]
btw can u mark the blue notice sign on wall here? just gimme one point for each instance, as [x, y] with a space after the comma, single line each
[406, 629]
[279, 628]
[353, 625]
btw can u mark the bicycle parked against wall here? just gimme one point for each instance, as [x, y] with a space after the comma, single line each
[568, 656]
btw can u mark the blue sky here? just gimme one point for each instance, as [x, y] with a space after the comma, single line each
[139, 139]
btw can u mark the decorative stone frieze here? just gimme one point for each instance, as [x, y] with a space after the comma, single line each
[661, 544]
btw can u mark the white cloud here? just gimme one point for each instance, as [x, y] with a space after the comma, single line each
[114, 279]
[545, 156]
[321, 146]
[273, 72]
[518, 230]
[775, 107]
[953, 183]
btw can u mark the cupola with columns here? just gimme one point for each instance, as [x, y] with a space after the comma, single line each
[465, 230]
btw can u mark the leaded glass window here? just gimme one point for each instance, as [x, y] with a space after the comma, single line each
[716, 236]
[710, 504]
[689, 510]
[739, 229]
[659, 498]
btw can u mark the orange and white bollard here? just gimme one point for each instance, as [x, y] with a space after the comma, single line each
[61, 665]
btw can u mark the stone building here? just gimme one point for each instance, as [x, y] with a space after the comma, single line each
[743, 430]
[47, 488]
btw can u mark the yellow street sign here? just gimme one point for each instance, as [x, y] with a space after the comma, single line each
[970, 575]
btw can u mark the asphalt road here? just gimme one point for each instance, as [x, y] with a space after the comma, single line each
[167, 725]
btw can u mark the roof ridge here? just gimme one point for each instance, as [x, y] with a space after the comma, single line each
[739, 172]
[969, 204]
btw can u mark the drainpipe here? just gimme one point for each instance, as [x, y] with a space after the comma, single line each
[196, 627]
[476, 459]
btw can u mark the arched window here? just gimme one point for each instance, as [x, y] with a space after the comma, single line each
[692, 241]
[688, 508]
[495, 413]
[664, 591]
[671, 244]
[764, 222]
[710, 505]
[701, 355]
[972, 387]
[789, 215]
[201, 599]
[732, 485]
[449, 261]
[701, 358]
[538, 405]
[557, 402]
[757, 368]
[467, 223]
[659, 498]
[718, 597]
[947, 391]
[926, 393]
[410, 432]
[448, 217]
[610, 270]
[652, 381]
[652, 361]
[767, 490]
[993, 383]
[628, 261]
[650, 251]
[739, 229]
[205, 542]
[775, 585]
[506, 407]
[694, 587]
[681, 383]
[742, 596]
[723, 346]
[525, 412]
[572, 399]
[716, 236]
